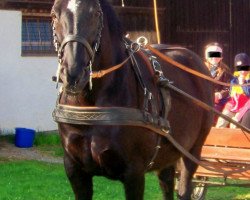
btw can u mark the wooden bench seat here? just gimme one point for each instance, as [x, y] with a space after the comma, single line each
[229, 149]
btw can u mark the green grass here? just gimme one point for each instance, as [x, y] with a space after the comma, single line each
[51, 138]
[32, 180]
[8, 138]
[49, 143]
[228, 193]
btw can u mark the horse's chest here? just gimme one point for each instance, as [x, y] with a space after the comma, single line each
[85, 149]
[77, 147]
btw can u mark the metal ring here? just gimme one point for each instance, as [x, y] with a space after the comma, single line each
[135, 46]
[142, 41]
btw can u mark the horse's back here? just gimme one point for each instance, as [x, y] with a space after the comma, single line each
[188, 120]
[190, 83]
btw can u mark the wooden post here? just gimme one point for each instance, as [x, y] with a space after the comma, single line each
[157, 22]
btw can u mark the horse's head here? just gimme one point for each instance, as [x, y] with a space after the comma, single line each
[77, 26]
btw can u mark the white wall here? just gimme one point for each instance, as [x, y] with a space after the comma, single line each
[27, 94]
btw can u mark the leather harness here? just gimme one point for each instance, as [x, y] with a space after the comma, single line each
[120, 115]
[141, 118]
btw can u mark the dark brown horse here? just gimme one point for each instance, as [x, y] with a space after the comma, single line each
[88, 33]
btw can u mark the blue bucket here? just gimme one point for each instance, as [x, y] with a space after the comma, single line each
[24, 137]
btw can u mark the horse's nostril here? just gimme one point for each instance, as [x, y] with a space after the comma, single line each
[73, 80]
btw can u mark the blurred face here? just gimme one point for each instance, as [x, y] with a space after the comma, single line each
[213, 55]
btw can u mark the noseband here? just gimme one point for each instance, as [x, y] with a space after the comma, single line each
[79, 39]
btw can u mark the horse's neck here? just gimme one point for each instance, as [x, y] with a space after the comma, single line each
[116, 87]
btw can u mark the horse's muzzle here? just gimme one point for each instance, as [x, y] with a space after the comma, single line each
[74, 85]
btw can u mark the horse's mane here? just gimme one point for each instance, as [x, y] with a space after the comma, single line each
[114, 23]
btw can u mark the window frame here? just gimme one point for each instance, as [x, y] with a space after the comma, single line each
[37, 36]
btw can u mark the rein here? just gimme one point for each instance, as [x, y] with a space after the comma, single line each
[187, 69]
[134, 47]
[101, 73]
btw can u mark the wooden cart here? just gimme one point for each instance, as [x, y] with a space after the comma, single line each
[227, 149]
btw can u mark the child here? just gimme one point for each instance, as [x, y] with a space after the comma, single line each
[239, 95]
[220, 72]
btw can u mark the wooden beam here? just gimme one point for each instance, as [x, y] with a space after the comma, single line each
[2, 3]
[137, 10]
[49, 2]
[35, 14]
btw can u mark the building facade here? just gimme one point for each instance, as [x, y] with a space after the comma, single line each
[27, 93]
[28, 59]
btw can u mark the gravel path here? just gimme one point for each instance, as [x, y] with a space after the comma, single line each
[11, 152]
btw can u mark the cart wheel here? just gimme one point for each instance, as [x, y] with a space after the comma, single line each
[199, 189]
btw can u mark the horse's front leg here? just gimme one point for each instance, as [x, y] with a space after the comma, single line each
[134, 186]
[185, 186]
[80, 181]
[166, 180]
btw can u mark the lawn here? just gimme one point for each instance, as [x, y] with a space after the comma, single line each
[33, 180]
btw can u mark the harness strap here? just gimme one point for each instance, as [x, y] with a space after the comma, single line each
[149, 98]
[187, 69]
[107, 116]
[138, 72]
[124, 116]
[164, 83]
[210, 166]
[101, 73]
[132, 117]
[204, 105]
[76, 38]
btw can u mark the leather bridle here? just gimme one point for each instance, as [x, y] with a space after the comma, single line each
[79, 39]
[59, 47]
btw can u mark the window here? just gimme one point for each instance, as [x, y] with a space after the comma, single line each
[37, 37]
